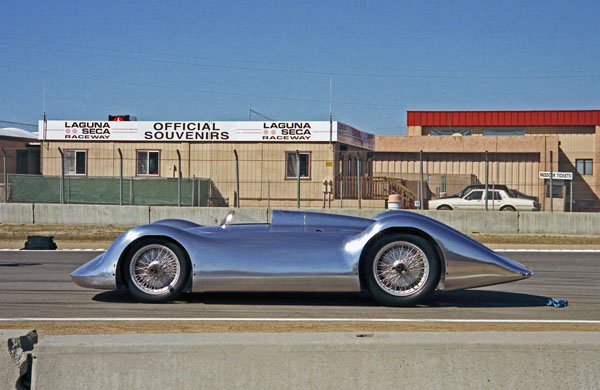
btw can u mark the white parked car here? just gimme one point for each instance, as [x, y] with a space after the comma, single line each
[475, 200]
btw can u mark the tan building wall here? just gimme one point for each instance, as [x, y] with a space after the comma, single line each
[513, 160]
[262, 167]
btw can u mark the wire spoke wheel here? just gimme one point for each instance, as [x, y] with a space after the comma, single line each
[155, 269]
[401, 268]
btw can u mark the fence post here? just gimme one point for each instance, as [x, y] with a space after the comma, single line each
[486, 179]
[210, 194]
[298, 174]
[193, 189]
[178, 178]
[571, 195]
[62, 176]
[551, 189]
[421, 197]
[341, 192]
[358, 177]
[120, 177]
[237, 179]
[5, 177]
[131, 191]
[269, 194]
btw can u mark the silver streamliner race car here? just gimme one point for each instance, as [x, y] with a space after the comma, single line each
[400, 257]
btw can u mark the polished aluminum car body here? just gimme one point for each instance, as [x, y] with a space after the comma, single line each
[300, 251]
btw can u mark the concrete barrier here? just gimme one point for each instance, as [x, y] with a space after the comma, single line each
[17, 213]
[83, 214]
[559, 223]
[492, 222]
[487, 360]
[14, 362]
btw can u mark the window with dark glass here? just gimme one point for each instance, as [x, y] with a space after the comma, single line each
[291, 165]
[75, 162]
[584, 166]
[503, 131]
[447, 131]
[474, 195]
[557, 188]
[494, 195]
[22, 161]
[147, 162]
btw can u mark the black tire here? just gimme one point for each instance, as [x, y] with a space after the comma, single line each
[411, 282]
[163, 270]
[444, 207]
[508, 208]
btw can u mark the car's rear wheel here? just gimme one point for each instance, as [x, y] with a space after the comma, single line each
[156, 270]
[444, 207]
[508, 208]
[401, 270]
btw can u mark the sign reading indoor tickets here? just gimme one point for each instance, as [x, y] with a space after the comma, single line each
[188, 131]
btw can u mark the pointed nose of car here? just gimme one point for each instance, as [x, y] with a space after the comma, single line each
[480, 266]
[495, 269]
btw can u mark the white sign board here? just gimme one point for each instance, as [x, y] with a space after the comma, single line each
[199, 131]
[187, 131]
[556, 175]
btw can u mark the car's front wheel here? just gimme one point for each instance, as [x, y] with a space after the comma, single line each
[401, 270]
[156, 270]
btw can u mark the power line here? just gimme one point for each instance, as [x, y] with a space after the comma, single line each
[19, 123]
[191, 61]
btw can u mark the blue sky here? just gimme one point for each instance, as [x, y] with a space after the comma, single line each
[215, 60]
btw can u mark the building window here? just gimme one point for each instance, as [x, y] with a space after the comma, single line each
[557, 188]
[22, 161]
[291, 165]
[75, 162]
[451, 132]
[584, 166]
[147, 162]
[503, 131]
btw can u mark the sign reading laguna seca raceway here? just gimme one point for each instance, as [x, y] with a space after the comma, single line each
[188, 131]
[556, 175]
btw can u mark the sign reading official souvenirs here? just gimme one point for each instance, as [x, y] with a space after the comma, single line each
[193, 131]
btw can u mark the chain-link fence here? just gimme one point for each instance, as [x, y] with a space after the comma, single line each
[110, 190]
[282, 175]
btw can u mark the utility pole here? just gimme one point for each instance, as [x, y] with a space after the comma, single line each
[330, 115]
[551, 189]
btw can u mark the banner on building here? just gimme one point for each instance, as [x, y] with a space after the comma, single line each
[312, 131]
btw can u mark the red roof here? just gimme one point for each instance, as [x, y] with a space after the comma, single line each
[503, 118]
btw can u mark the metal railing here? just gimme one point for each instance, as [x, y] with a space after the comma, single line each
[376, 187]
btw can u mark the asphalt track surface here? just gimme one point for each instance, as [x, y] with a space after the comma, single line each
[37, 285]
